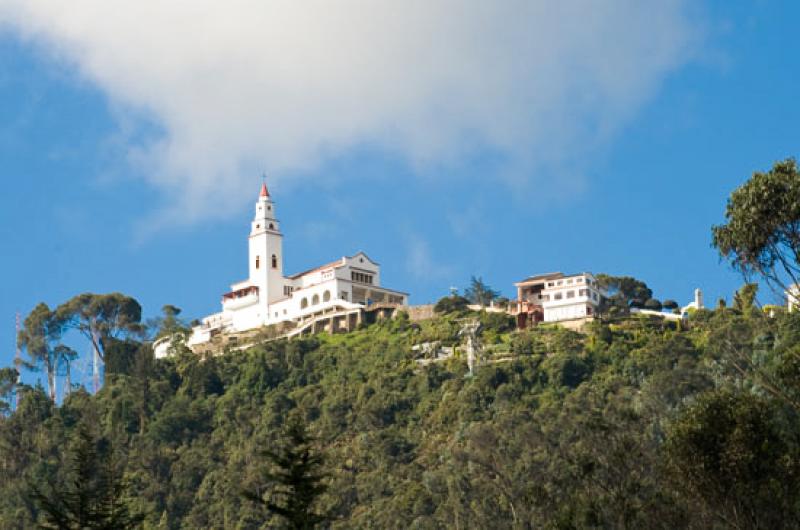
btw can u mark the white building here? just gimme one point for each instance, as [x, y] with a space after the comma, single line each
[793, 297]
[344, 287]
[556, 297]
[697, 303]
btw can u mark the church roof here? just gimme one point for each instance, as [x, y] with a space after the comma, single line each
[338, 263]
[264, 190]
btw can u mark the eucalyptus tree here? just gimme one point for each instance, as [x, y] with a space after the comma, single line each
[761, 233]
[41, 331]
[100, 317]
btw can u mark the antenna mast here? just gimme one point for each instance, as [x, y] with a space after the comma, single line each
[17, 361]
[95, 364]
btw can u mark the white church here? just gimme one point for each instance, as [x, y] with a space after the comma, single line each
[330, 298]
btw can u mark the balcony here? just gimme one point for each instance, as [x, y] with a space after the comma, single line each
[240, 298]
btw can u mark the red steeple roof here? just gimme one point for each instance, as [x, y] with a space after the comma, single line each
[264, 191]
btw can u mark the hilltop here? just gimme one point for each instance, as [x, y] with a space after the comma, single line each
[636, 423]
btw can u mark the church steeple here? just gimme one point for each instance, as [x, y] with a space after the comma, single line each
[266, 250]
[264, 219]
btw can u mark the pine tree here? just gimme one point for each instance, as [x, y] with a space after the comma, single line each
[295, 474]
[93, 495]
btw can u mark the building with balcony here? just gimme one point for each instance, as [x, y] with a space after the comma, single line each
[330, 297]
[556, 297]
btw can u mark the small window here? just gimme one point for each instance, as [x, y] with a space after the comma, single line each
[326, 297]
[258, 262]
[560, 282]
[570, 294]
[269, 207]
[579, 280]
[304, 303]
[569, 281]
[258, 226]
[343, 295]
[558, 296]
[588, 310]
[271, 226]
[276, 314]
[274, 261]
[583, 292]
[315, 299]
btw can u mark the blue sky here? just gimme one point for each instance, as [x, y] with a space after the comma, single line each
[626, 164]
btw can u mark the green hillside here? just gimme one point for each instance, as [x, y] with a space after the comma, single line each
[635, 424]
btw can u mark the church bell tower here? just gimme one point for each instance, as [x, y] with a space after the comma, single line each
[266, 250]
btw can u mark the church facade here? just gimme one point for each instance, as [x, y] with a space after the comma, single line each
[268, 296]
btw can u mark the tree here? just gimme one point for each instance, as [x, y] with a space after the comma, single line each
[451, 304]
[8, 379]
[623, 292]
[761, 235]
[727, 453]
[168, 324]
[40, 331]
[671, 305]
[101, 316]
[295, 474]
[653, 304]
[93, 496]
[480, 293]
[64, 357]
[744, 299]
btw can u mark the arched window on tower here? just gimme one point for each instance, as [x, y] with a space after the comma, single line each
[271, 226]
[258, 261]
[274, 261]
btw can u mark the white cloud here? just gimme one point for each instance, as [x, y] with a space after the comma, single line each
[242, 85]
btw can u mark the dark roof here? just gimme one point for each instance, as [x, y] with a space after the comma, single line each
[542, 277]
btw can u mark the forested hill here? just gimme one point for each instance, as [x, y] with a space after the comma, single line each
[637, 423]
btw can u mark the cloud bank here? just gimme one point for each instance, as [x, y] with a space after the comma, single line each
[235, 87]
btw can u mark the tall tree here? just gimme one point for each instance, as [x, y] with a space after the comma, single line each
[100, 317]
[93, 496]
[295, 475]
[41, 331]
[479, 292]
[761, 235]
